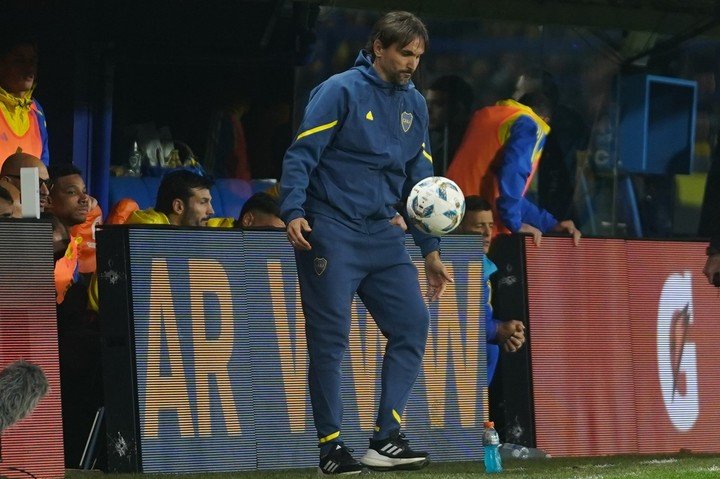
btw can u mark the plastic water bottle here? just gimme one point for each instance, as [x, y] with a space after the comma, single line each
[135, 161]
[491, 445]
[513, 451]
[517, 451]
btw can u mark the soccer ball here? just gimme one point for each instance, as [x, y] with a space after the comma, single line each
[436, 205]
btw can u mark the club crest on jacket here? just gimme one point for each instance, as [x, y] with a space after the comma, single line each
[406, 120]
[320, 264]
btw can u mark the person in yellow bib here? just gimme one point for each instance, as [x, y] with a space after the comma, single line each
[22, 120]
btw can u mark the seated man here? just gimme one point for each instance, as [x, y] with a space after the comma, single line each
[10, 172]
[68, 200]
[260, 211]
[9, 201]
[78, 328]
[183, 199]
[510, 335]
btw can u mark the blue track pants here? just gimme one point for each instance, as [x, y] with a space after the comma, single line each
[377, 266]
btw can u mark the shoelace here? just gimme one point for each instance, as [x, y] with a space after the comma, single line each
[402, 440]
[347, 452]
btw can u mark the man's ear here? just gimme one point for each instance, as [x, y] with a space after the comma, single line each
[247, 219]
[377, 48]
[178, 206]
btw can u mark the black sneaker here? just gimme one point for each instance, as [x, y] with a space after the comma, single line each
[339, 461]
[394, 453]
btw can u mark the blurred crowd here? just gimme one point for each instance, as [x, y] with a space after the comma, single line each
[490, 56]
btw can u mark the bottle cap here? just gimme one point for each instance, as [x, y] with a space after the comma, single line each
[489, 424]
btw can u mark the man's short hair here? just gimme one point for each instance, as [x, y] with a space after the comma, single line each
[397, 27]
[456, 89]
[476, 203]
[539, 102]
[5, 195]
[539, 80]
[179, 185]
[260, 202]
[13, 35]
[62, 169]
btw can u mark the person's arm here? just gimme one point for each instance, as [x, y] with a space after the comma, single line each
[510, 335]
[513, 173]
[536, 216]
[419, 168]
[437, 274]
[323, 117]
[42, 126]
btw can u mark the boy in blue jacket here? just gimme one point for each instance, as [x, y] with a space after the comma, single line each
[362, 145]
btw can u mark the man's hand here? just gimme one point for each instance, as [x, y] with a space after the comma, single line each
[437, 276]
[536, 233]
[399, 221]
[712, 267]
[511, 335]
[568, 226]
[295, 230]
[92, 202]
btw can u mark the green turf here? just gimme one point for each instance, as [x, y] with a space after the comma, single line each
[683, 466]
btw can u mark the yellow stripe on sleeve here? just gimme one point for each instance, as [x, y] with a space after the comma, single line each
[317, 129]
[329, 437]
[397, 416]
[427, 155]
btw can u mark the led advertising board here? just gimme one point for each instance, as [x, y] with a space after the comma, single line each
[206, 358]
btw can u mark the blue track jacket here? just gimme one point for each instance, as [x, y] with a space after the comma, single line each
[362, 145]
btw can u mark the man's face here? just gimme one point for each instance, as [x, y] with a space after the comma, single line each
[199, 208]
[7, 209]
[13, 176]
[437, 102]
[18, 69]
[15, 194]
[69, 201]
[396, 63]
[479, 223]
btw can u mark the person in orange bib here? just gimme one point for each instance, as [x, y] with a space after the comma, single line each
[22, 120]
[498, 158]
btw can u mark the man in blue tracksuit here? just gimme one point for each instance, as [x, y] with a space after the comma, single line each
[362, 145]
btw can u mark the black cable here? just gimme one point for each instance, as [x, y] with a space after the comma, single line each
[18, 469]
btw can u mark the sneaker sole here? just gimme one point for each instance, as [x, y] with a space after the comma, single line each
[348, 473]
[377, 462]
